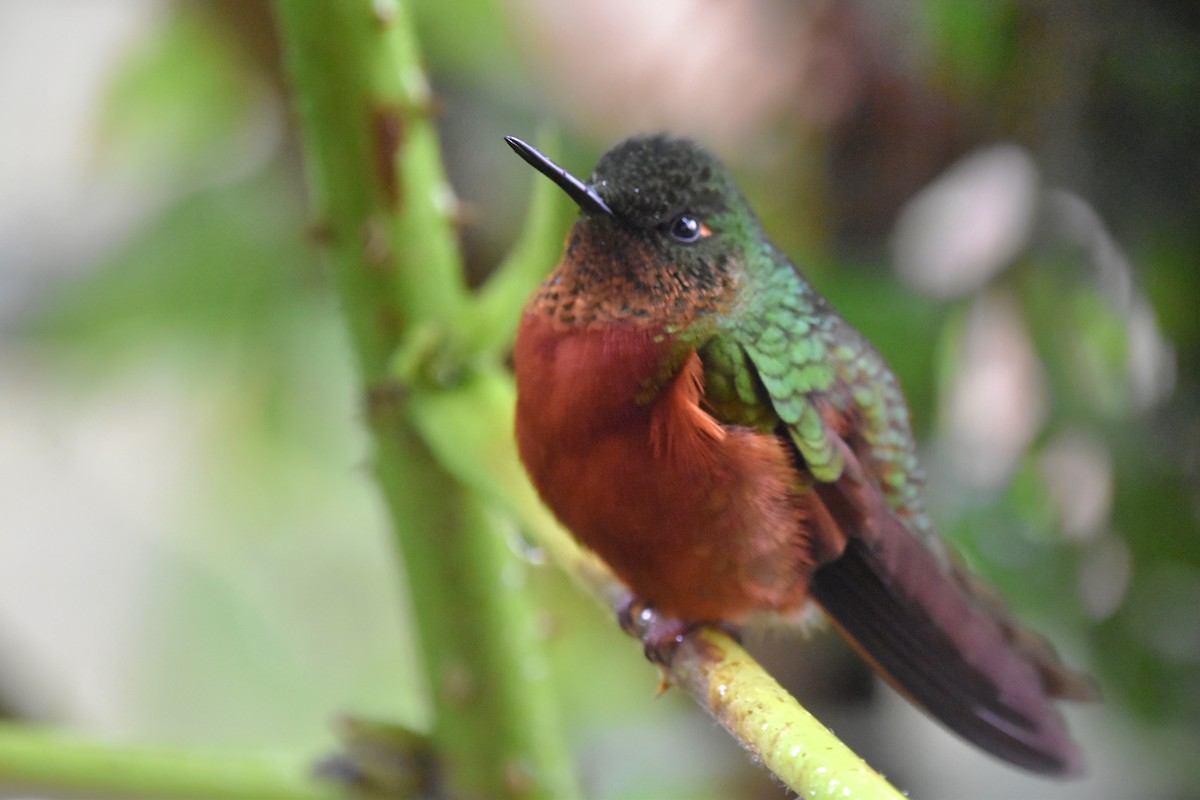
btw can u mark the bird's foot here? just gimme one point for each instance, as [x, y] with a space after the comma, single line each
[659, 634]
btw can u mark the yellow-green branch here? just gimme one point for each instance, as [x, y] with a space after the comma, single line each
[769, 723]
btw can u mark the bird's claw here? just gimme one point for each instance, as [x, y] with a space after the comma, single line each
[659, 634]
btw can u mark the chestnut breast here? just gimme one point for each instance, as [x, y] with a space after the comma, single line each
[704, 521]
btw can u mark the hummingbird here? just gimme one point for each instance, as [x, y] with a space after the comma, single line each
[696, 414]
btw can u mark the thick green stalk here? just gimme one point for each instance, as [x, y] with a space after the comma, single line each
[381, 200]
[385, 210]
[58, 762]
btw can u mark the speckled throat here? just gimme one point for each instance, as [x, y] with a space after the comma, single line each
[608, 275]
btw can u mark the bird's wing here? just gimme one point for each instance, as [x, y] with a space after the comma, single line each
[889, 585]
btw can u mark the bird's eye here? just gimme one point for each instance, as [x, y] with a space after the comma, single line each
[687, 229]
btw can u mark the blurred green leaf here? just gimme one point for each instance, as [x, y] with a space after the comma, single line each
[185, 104]
[466, 39]
[226, 268]
[974, 41]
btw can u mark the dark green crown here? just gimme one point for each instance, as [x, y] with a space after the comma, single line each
[649, 180]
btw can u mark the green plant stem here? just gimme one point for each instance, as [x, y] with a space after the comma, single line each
[385, 210]
[770, 724]
[381, 201]
[54, 761]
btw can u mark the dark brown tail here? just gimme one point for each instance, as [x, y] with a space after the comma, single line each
[954, 653]
[941, 637]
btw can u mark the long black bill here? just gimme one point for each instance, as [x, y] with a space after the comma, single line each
[584, 195]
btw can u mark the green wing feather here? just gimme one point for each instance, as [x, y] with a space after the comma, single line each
[780, 354]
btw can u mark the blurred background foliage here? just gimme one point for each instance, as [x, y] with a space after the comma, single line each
[1003, 196]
